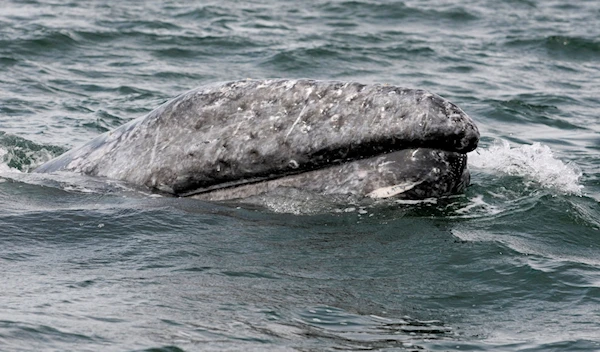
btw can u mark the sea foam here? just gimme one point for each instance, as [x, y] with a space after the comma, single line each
[534, 162]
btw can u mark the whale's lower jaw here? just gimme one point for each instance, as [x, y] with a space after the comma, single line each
[406, 174]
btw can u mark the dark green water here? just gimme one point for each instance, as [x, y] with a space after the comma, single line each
[511, 265]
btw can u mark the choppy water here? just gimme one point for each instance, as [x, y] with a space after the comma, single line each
[513, 264]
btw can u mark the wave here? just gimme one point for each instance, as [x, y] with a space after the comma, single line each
[396, 11]
[573, 48]
[535, 162]
[19, 154]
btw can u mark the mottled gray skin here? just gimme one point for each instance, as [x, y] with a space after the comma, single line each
[284, 133]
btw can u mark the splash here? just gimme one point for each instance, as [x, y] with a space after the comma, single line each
[535, 162]
[4, 162]
[20, 154]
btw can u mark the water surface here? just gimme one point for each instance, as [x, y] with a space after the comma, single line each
[511, 265]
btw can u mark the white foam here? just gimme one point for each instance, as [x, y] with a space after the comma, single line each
[535, 162]
[476, 207]
[4, 160]
[28, 159]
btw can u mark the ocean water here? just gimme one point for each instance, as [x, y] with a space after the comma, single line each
[513, 264]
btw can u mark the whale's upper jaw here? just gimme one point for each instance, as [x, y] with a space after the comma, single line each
[462, 131]
[247, 131]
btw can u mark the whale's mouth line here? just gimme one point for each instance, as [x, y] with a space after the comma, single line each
[403, 181]
[230, 184]
[323, 159]
[250, 181]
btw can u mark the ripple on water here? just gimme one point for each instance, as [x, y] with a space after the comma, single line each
[511, 265]
[352, 330]
[560, 47]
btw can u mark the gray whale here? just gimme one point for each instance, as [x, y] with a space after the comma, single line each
[236, 139]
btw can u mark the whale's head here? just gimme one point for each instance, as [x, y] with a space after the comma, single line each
[250, 132]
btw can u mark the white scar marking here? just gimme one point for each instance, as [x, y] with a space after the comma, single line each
[295, 123]
[238, 128]
[386, 192]
[153, 154]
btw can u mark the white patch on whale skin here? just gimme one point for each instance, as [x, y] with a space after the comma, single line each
[295, 123]
[390, 191]
[156, 143]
